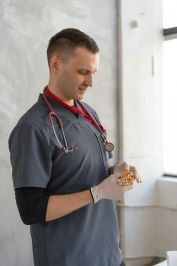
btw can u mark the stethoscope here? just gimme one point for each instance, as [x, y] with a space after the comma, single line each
[107, 145]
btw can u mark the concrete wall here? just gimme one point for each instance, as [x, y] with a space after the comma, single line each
[26, 27]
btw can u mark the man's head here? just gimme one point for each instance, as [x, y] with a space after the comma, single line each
[73, 58]
[66, 41]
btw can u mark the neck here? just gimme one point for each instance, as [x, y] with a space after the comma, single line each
[57, 92]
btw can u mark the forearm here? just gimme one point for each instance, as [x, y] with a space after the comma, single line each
[61, 205]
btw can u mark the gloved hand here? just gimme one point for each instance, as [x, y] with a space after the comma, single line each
[119, 168]
[109, 188]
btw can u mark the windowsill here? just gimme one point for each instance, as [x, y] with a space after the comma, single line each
[167, 179]
[164, 263]
[167, 191]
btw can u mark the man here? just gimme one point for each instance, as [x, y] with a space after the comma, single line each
[59, 157]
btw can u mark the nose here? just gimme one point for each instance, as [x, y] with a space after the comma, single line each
[89, 80]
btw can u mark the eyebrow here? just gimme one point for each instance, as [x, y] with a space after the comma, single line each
[87, 70]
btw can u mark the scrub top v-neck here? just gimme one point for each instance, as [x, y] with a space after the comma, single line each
[88, 236]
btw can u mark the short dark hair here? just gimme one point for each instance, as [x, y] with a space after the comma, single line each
[64, 42]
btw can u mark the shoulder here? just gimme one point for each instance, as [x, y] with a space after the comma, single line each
[86, 105]
[33, 120]
[90, 110]
[35, 116]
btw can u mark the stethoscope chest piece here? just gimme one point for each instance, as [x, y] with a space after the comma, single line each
[109, 147]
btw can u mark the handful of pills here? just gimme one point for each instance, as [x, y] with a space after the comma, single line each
[127, 178]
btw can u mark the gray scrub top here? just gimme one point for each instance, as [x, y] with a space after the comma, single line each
[88, 236]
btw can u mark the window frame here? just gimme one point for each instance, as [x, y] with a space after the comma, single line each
[170, 34]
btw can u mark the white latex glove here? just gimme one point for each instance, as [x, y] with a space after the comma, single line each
[120, 167]
[109, 189]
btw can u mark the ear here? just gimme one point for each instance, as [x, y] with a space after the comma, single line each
[55, 63]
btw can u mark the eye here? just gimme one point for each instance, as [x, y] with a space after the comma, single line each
[83, 71]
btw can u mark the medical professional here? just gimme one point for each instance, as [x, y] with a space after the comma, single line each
[59, 153]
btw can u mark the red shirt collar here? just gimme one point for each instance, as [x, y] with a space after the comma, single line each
[73, 109]
[49, 94]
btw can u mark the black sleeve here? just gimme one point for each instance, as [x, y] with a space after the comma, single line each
[32, 204]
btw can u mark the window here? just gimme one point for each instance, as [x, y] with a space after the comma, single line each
[170, 88]
[169, 14]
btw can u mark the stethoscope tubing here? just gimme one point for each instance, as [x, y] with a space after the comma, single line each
[108, 145]
[66, 148]
[96, 123]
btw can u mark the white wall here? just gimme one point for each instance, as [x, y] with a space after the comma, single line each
[166, 215]
[26, 27]
[148, 213]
